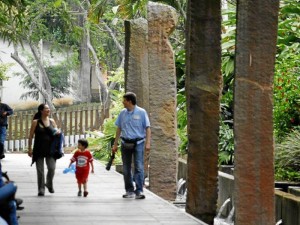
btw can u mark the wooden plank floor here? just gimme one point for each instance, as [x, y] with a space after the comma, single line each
[104, 204]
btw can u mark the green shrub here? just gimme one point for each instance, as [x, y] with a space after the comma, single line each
[287, 157]
[286, 96]
[104, 138]
[287, 70]
[182, 122]
[226, 145]
[102, 142]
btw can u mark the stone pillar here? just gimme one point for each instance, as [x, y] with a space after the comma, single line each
[136, 60]
[136, 65]
[163, 157]
[203, 87]
[253, 126]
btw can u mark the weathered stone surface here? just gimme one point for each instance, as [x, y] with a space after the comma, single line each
[203, 87]
[84, 85]
[253, 127]
[136, 60]
[163, 159]
[136, 65]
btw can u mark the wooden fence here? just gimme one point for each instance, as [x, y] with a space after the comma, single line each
[74, 121]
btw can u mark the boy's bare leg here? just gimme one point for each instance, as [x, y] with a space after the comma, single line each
[85, 192]
[79, 190]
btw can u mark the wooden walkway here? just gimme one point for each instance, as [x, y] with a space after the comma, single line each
[104, 204]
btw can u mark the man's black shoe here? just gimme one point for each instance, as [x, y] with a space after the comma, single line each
[140, 196]
[20, 207]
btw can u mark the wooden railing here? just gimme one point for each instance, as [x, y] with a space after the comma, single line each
[74, 121]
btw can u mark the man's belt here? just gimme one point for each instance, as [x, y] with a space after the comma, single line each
[131, 140]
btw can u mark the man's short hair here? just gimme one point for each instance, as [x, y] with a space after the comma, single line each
[130, 96]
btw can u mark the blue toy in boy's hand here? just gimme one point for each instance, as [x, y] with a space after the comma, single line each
[71, 169]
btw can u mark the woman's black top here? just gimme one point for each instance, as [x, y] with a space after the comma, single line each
[42, 139]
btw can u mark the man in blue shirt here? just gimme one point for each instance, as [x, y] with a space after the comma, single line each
[133, 127]
[5, 111]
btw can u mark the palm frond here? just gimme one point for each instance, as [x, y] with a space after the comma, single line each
[130, 9]
[97, 9]
[12, 20]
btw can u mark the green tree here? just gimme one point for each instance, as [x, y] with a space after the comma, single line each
[3, 69]
[286, 79]
[41, 24]
[287, 73]
[12, 20]
[59, 79]
[137, 8]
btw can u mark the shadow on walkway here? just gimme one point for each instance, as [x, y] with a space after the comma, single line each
[104, 204]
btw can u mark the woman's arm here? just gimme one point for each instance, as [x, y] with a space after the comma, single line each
[53, 123]
[55, 126]
[31, 134]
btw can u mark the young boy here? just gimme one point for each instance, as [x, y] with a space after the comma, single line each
[83, 159]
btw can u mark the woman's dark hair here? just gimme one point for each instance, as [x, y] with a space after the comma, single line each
[38, 115]
[130, 96]
[83, 142]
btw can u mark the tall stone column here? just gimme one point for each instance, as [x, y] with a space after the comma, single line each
[163, 156]
[136, 65]
[203, 87]
[253, 126]
[136, 60]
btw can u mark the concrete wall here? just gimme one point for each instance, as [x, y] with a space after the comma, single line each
[294, 191]
[225, 187]
[182, 169]
[287, 207]
[11, 90]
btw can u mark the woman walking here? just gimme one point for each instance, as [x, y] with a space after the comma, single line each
[43, 129]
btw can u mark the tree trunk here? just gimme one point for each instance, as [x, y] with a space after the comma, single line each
[253, 125]
[104, 94]
[203, 87]
[47, 95]
[104, 90]
[41, 78]
[84, 80]
[46, 81]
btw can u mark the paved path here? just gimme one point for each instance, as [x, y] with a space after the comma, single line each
[104, 204]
